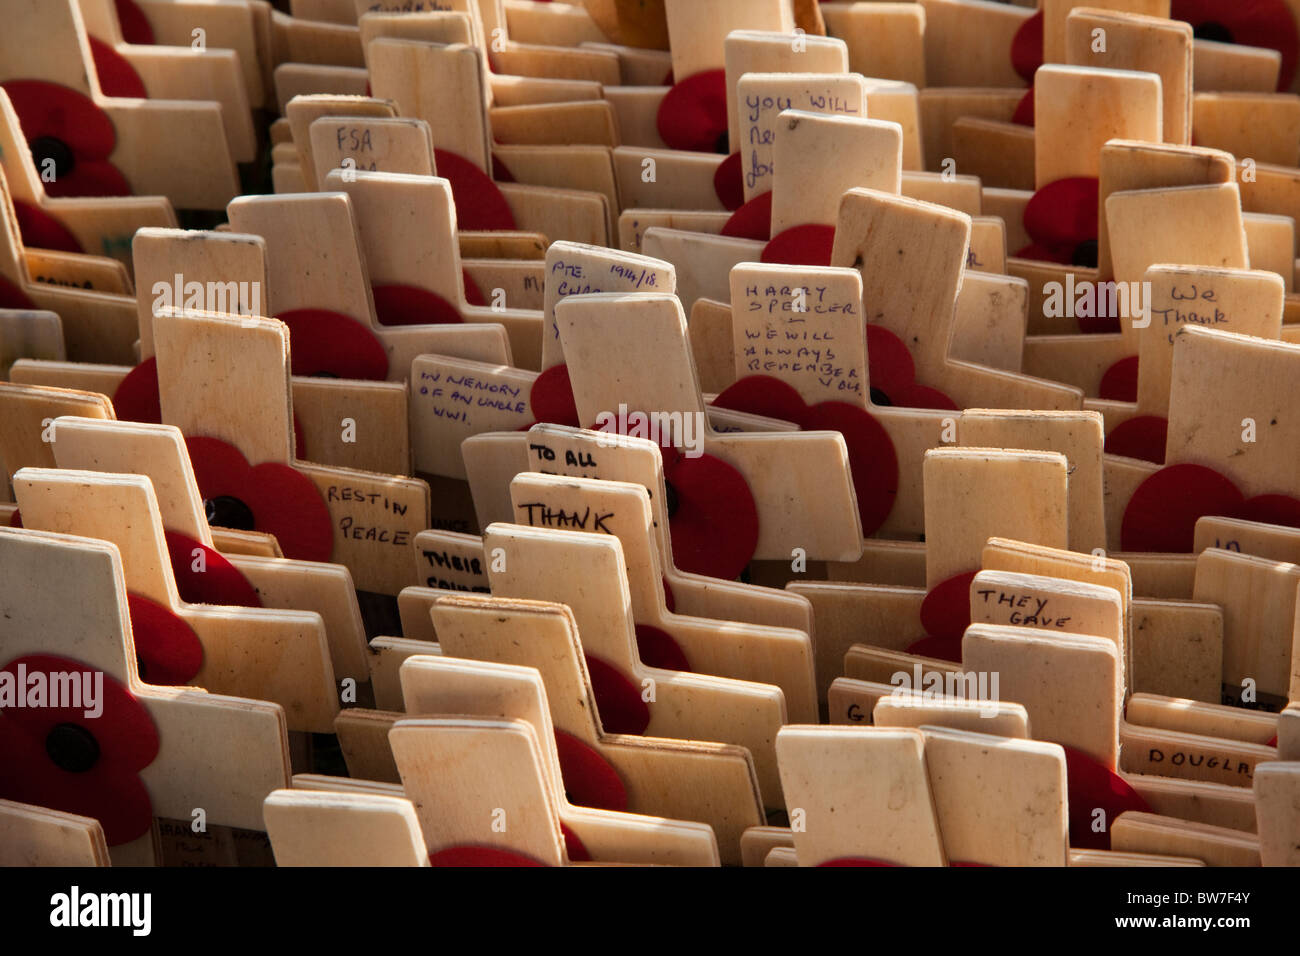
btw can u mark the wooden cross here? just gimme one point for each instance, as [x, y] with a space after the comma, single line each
[97, 326]
[971, 494]
[709, 782]
[915, 297]
[448, 685]
[47, 43]
[232, 643]
[193, 750]
[686, 705]
[99, 226]
[371, 518]
[158, 452]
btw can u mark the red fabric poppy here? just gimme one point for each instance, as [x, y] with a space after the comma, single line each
[57, 757]
[892, 374]
[409, 305]
[1142, 437]
[873, 462]
[480, 856]
[12, 297]
[1161, 516]
[280, 499]
[574, 848]
[1093, 786]
[480, 207]
[753, 220]
[728, 182]
[1061, 219]
[1262, 23]
[589, 780]
[807, 245]
[712, 516]
[116, 75]
[551, 398]
[1119, 383]
[219, 582]
[135, 25]
[656, 648]
[945, 615]
[40, 230]
[324, 342]
[1024, 114]
[167, 650]
[693, 114]
[473, 294]
[1027, 47]
[67, 127]
[618, 700]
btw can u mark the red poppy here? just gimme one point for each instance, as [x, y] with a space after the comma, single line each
[1161, 516]
[40, 230]
[807, 244]
[1119, 383]
[479, 204]
[167, 650]
[1142, 437]
[618, 700]
[1061, 219]
[711, 515]
[693, 114]
[327, 343]
[589, 780]
[497, 857]
[945, 615]
[57, 757]
[1092, 786]
[729, 182]
[116, 75]
[551, 399]
[459, 856]
[12, 297]
[134, 24]
[1261, 23]
[66, 127]
[410, 305]
[892, 374]
[873, 463]
[656, 648]
[753, 220]
[473, 295]
[215, 581]
[1027, 47]
[271, 497]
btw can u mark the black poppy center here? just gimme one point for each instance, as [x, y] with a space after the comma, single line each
[723, 143]
[670, 498]
[227, 511]
[72, 748]
[1213, 30]
[46, 148]
[1085, 254]
[880, 398]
